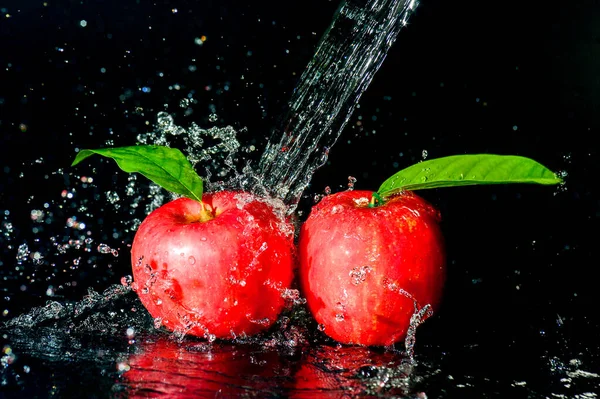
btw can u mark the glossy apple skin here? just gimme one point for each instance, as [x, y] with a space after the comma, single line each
[360, 266]
[219, 278]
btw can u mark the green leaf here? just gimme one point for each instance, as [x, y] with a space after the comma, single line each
[165, 166]
[466, 170]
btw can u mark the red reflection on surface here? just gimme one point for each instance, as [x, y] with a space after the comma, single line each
[165, 368]
[344, 372]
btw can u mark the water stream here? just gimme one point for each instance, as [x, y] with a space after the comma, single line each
[345, 62]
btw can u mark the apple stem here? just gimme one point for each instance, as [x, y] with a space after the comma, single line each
[205, 214]
[376, 200]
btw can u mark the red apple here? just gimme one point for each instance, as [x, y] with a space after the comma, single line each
[366, 270]
[216, 268]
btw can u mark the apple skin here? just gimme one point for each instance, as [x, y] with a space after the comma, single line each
[357, 263]
[215, 269]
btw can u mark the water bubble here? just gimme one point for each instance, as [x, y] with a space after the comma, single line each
[157, 322]
[213, 117]
[112, 197]
[351, 182]
[191, 260]
[123, 367]
[336, 209]
[126, 281]
[104, 249]
[424, 154]
[184, 103]
[22, 253]
[339, 317]
[37, 215]
[358, 274]
[292, 295]
[321, 327]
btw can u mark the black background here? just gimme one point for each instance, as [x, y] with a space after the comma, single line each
[463, 77]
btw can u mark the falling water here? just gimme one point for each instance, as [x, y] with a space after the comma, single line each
[347, 58]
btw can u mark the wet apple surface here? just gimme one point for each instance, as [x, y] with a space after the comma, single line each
[366, 270]
[199, 267]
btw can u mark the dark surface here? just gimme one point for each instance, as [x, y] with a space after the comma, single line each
[464, 77]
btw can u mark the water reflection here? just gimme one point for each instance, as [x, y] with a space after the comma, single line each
[346, 372]
[162, 367]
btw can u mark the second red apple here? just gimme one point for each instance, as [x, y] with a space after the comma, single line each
[366, 270]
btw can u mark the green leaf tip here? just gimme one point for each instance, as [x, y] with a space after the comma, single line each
[466, 170]
[165, 166]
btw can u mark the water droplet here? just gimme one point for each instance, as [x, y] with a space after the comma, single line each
[336, 209]
[157, 322]
[104, 249]
[358, 274]
[22, 253]
[123, 367]
[339, 317]
[191, 260]
[423, 178]
[351, 182]
[321, 327]
[112, 197]
[126, 280]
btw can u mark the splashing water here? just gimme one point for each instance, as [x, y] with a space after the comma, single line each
[347, 58]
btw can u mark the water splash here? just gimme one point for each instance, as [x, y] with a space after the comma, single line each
[347, 58]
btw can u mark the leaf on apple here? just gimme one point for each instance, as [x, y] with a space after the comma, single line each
[165, 166]
[466, 170]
